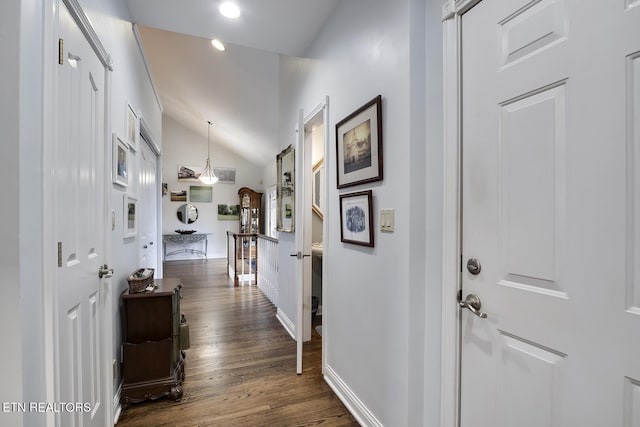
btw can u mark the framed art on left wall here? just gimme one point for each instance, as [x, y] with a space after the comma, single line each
[130, 216]
[133, 127]
[120, 174]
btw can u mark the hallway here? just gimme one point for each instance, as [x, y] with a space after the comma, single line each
[240, 369]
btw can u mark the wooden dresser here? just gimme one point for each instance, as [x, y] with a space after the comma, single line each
[152, 362]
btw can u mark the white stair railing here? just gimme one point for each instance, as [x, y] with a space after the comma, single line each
[268, 267]
[253, 259]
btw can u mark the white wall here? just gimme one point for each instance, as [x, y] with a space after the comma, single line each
[363, 51]
[383, 325]
[185, 147]
[10, 172]
[434, 171]
[30, 219]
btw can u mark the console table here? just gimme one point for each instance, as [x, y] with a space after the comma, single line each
[185, 239]
[152, 359]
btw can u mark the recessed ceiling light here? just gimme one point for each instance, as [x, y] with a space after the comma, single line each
[217, 44]
[230, 10]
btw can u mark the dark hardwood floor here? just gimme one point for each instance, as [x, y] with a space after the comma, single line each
[240, 369]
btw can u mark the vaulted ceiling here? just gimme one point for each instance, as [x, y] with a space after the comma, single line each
[236, 89]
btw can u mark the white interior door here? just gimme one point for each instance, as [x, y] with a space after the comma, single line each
[148, 208]
[303, 223]
[550, 210]
[79, 229]
[303, 247]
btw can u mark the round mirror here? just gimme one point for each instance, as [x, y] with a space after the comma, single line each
[187, 213]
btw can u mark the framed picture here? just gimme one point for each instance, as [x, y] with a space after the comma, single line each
[200, 193]
[225, 175]
[130, 223]
[120, 161]
[359, 145]
[179, 196]
[285, 162]
[228, 212]
[317, 188]
[356, 218]
[133, 127]
[189, 173]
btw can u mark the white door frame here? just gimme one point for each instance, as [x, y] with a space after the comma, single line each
[50, 95]
[325, 236]
[452, 12]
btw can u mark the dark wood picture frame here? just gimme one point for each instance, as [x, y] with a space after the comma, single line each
[356, 218]
[359, 145]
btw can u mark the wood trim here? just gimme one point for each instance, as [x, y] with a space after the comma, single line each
[117, 406]
[320, 107]
[243, 234]
[350, 399]
[456, 7]
[463, 6]
[287, 324]
[90, 34]
[451, 244]
[325, 238]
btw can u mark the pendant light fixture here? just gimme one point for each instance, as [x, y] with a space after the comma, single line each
[207, 176]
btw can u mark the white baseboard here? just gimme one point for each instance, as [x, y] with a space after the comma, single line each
[286, 323]
[117, 407]
[358, 409]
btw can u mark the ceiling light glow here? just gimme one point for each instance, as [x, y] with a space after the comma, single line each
[230, 10]
[218, 44]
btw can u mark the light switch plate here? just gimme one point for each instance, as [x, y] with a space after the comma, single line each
[387, 219]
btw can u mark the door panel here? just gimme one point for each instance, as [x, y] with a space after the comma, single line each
[148, 208]
[532, 137]
[79, 227]
[550, 118]
[530, 377]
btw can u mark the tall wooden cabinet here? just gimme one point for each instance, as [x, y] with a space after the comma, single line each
[250, 211]
[152, 361]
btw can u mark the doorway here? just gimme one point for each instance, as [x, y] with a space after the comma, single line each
[315, 134]
[150, 205]
[310, 228]
[544, 156]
